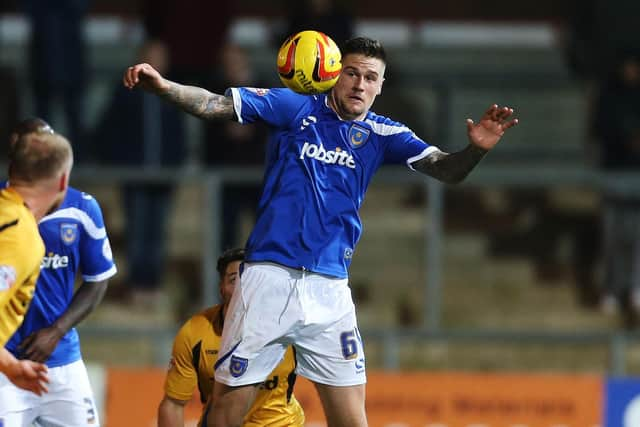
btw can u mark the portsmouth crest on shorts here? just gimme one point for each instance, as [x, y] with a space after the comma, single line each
[238, 366]
[358, 136]
[68, 233]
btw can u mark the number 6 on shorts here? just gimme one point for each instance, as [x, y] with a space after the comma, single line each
[349, 343]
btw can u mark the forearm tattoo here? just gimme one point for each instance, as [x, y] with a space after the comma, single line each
[451, 168]
[200, 102]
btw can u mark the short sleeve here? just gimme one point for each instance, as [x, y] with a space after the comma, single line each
[182, 377]
[277, 107]
[96, 258]
[404, 146]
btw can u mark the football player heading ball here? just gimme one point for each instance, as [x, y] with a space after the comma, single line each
[323, 152]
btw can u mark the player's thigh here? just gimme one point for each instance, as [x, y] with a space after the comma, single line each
[70, 400]
[17, 407]
[332, 353]
[343, 406]
[229, 405]
[258, 317]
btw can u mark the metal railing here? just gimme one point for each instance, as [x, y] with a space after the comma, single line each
[212, 181]
[416, 71]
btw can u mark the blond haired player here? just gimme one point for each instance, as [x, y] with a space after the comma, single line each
[39, 168]
[195, 351]
[76, 244]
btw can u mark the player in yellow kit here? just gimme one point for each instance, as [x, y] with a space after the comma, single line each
[195, 351]
[39, 166]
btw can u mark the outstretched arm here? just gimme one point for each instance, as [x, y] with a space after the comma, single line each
[483, 136]
[39, 345]
[194, 100]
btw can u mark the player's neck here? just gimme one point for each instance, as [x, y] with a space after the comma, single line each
[38, 200]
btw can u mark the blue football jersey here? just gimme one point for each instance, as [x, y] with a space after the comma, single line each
[318, 167]
[76, 240]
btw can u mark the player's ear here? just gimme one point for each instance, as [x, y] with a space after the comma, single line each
[380, 87]
[63, 182]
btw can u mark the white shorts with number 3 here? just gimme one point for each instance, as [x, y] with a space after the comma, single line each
[68, 403]
[276, 306]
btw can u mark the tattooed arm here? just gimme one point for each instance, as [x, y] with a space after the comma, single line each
[194, 100]
[199, 102]
[454, 167]
[450, 168]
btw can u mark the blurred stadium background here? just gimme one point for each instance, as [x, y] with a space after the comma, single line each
[462, 292]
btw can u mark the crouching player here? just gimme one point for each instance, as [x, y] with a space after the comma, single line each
[195, 351]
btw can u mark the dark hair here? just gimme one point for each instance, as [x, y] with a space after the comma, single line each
[230, 255]
[34, 124]
[365, 46]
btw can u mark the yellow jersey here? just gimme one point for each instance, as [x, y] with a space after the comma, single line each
[21, 252]
[195, 351]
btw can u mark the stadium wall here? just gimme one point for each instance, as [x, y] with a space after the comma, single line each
[130, 396]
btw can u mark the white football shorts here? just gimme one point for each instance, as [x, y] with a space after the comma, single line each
[276, 306]
[68, 403]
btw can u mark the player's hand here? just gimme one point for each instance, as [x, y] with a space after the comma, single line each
[28, 375]
[39, 345]
[493, 124]
[146, 77]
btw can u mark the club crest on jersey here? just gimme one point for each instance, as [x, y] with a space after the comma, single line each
[68, 233]
[358, 136]
[238, 366]
[8, 277]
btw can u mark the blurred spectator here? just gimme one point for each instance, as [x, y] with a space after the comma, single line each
[139, 129]
[597, 30]
[231, 144]
[58, 67]
[193, 31]
[9, 107]
[616, 120]
[8, 104]
[328, 16]
[536, 227]
[616, 127]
